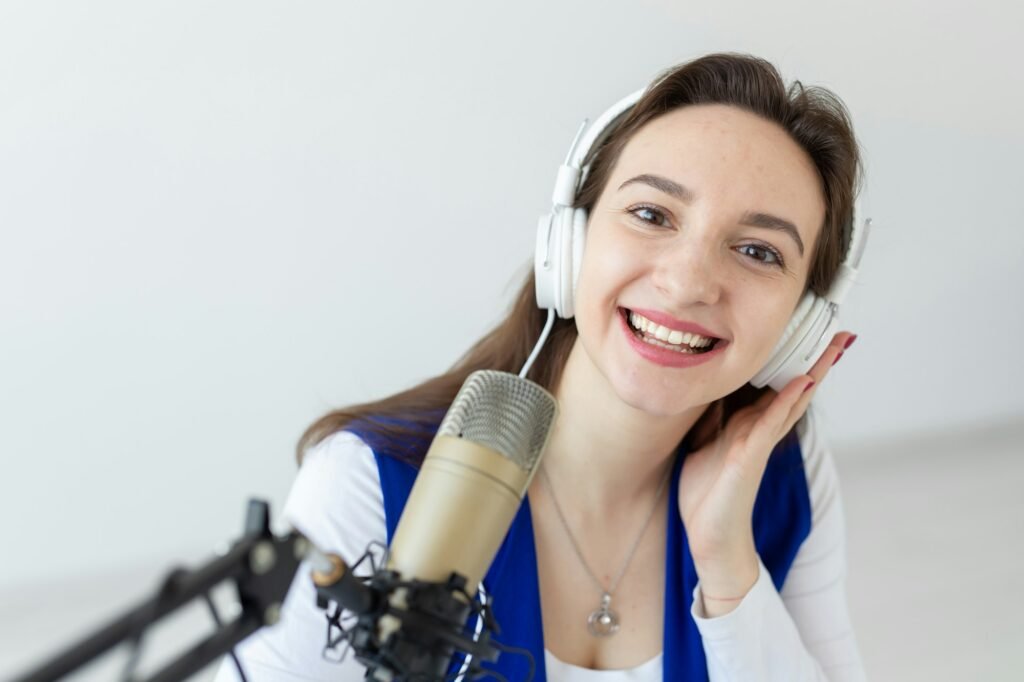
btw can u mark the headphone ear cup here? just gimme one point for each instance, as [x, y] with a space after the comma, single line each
[554, 283]
[563, 236]
[545, 263]
[808, 333]
[578, 237]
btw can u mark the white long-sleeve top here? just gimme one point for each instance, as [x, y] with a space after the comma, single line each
[802, 634]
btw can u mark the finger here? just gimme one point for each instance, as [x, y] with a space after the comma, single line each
[818, 372]
[773, 422]
[828, 357]
[780, 411]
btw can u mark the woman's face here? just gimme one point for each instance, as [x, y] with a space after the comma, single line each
[678, 230]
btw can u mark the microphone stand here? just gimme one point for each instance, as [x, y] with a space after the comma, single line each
[263, 567]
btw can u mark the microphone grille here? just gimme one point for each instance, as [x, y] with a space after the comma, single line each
[509, 414]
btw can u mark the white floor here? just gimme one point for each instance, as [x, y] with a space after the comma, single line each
[935, 548]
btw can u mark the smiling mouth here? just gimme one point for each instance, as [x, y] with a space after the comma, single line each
[683, 348]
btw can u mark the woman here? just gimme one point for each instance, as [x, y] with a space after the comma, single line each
[685, 524]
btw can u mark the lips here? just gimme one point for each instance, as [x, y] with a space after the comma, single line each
[674, 324]
[663, 356]
[644, 332]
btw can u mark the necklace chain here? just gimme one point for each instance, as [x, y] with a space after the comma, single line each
[632, 550]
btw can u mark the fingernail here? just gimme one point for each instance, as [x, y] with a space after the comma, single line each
[849, 341]
[837, 358]
[808, 386]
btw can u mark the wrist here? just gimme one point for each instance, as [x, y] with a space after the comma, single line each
[722, 588]
[731, 568]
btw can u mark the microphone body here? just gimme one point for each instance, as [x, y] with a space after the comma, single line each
[466, 494]
[473, 478]
[458, 512]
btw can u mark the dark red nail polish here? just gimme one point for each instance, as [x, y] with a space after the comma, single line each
[837, 357]
[809, 385]
[849, 341]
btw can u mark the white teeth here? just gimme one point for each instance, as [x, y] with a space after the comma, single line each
[685, 350]
[696, 340]
[672, 336]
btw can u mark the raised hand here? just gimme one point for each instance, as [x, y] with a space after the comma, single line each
[719, 484]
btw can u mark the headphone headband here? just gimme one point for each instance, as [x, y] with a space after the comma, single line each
[571, 174]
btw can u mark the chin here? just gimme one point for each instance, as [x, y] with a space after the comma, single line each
[662, 402]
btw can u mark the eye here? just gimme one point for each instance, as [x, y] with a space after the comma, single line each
[772, 257]
[649, 215]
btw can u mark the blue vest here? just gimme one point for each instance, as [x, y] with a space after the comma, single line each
[781, 522]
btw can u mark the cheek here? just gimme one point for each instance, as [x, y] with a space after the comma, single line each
[604, 275]
[764, 326]
[601, 269]
[610, 260]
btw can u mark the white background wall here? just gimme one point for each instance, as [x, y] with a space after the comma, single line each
[219, 220]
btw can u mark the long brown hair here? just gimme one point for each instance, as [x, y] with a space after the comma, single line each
[816, 120]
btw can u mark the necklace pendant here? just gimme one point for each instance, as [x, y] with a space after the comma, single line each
[603, 622]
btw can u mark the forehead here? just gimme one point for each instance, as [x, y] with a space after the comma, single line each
[729, 157]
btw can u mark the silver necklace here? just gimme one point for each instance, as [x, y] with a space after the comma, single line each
[603, 621]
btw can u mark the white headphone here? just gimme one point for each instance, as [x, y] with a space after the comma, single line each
[561, 235]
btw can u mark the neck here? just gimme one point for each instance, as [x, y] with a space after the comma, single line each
[603, 452]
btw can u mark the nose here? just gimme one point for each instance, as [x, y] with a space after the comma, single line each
[688, 271]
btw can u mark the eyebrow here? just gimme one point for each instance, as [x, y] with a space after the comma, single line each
[686, 195]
